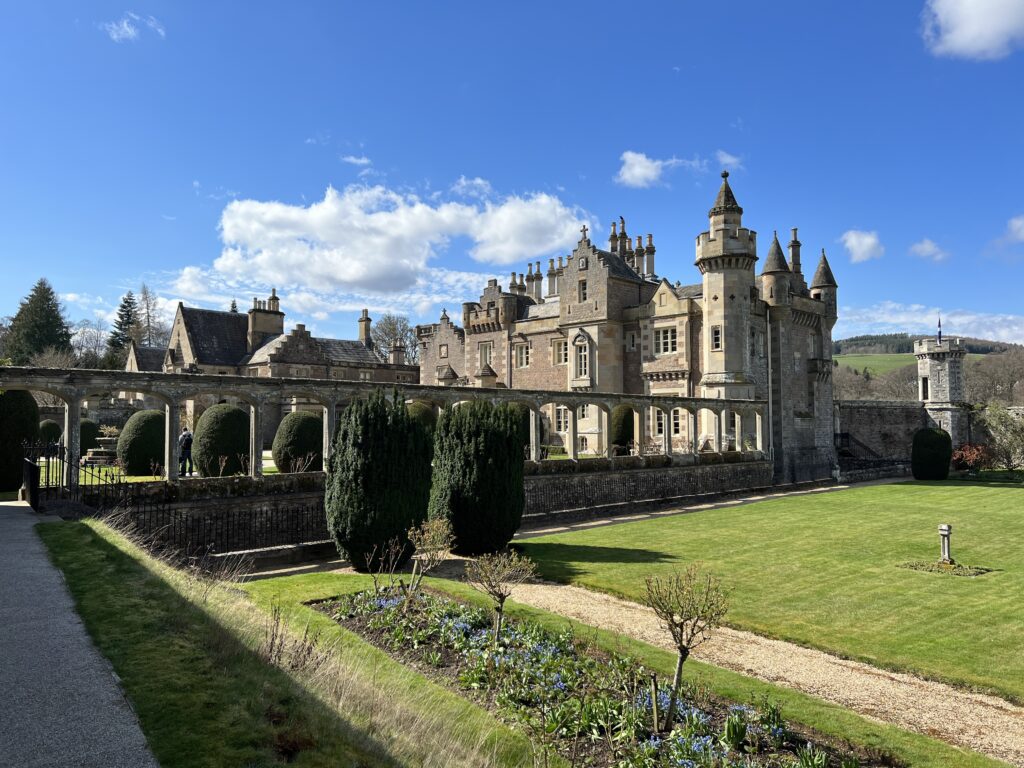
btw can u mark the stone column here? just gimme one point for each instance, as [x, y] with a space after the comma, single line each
[666, 431]
[640, 428]
[694, 432]
[534, 434]
[737, 425]
[171, 418]
[572, 442]
[72, 438]
[256, 438]
[604, 427]
[759, 425]
[330, 424]
[719, 418]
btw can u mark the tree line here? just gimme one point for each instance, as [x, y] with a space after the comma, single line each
[903, 343]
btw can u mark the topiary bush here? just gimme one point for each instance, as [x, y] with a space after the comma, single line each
[621, 429]
[423, 413]
[931, 454]
[89, 432]
[299, 443]
[222, 435]
[50, 431]
[478, 475]
[19, 424]
[140, 446]
[378, 480]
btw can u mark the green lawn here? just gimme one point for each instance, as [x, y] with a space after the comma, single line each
[821, 570]
[879, 364]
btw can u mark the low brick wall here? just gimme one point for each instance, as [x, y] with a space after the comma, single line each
[592, 492]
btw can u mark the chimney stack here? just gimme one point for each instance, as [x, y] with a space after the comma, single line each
[397, 354]
[650, 255]
[794, 254]
[364, 329]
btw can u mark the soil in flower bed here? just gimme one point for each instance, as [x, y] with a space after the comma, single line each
[949, 569]
[571, 698]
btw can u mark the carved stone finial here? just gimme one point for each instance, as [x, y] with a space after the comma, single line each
[725, 174]
[584, 230]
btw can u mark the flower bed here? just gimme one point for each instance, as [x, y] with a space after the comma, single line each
[572, 699]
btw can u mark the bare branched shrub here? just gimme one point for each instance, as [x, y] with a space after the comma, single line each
[383, 561]
[222, 461]
[243, 461]
[496, 575]
[432, 540]
[109, 430]
[690, 604]
[156, 469]
[293, 652]
[302, 463]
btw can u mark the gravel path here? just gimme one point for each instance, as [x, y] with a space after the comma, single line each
[985, 724]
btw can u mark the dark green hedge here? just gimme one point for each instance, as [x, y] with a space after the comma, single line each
[90, 432]
[19, 423]
[931, 454]
[424, 413]
[222, 431]
[478, 475]
[622, 426]
[378, 479]
[50, 431]
[140, 446]
[299, 435]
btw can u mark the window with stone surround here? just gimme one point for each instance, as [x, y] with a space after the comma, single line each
[365, 375]
[442, 351]
[559, 352]
[522, 355]
[716, 338]
[583, 446]
[583, 290]
[561, 419]
[677, 421]
[659, 422]
[583, 411]
[664, 341]
[485, 348]
[582, 368]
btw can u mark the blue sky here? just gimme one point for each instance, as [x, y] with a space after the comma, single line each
[396, 154]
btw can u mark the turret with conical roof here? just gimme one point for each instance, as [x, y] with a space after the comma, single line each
[824, 286]
[776, 276]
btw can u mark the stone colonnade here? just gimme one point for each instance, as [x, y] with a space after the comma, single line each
[722, 423]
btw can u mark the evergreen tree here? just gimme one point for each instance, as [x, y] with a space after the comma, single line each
[126, 326]
[478, 475]
[378, 480]
[234, 306]
[39, 325]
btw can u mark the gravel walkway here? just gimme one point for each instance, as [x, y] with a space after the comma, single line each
[985, 724]
[61, 703]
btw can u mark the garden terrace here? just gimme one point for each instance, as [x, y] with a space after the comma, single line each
[720, 424]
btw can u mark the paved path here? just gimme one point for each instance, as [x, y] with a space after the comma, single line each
[986, 724]
[60, 703]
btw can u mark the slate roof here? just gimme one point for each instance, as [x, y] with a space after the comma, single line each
[689, 291]
[775, 262]
[217, 338]
[347, 351]
[617, 266]
[823, 277]
[149, 358]
[485, 370]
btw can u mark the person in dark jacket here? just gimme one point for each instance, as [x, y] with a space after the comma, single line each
[185, 452]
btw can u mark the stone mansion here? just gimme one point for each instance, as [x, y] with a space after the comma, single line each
[603, 320]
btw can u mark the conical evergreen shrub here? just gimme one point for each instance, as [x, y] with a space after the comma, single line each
[19, 424]
[931, 454]
[478, 475]
[378, 479]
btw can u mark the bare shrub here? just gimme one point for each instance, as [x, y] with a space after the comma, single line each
[383, 561]
[496, 575]
[433, 541]
[690, 604]
[302, 463]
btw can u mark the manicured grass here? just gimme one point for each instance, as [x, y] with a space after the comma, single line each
[205, 698]
[822, 570]
[883, 363]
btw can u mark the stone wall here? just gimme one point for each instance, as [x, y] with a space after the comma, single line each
[870, 429]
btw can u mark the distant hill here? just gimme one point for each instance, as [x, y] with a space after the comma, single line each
[903, 343]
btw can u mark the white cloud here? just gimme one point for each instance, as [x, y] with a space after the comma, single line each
[731, 162]
[973, 29]
[475, 187]
[356, 159]
[1015, 230]
[893, 317]
[928, 249]
[128, 27]
[640, 171]
[862, 246]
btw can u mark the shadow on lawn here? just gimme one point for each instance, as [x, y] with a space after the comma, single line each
[562, 562]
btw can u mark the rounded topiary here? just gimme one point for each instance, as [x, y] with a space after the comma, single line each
[478, 475]
[140, 446]
[50, 431]
[622, 426]
[89, 434]
[19, 424]
[424, 413]
[378, 480]
[931, 454]
[299, 443]
[220, 443]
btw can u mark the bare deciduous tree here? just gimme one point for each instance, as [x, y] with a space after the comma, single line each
[1006, 431]
[89, 342]
[51, 358]
[154, 331]
[690, 603]
[495, 576]
[390, 329]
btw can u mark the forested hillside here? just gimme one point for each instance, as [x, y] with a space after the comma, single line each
[902, 343]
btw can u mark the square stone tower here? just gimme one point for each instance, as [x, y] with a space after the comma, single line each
[940, 383]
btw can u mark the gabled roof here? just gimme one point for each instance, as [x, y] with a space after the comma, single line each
[689, 291]
[347, 351]
[776, 261]
[823, 277]
[726, 200]
[485, 371]
[216, 338]
[447, 373]
[148, 358]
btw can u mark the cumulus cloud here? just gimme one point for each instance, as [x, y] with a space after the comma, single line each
[862, 246]
[475, 187]
[129, 26]
[973, 29]
[361, 160]
[1015, 230]
[927, 249]
[893, 317]
[728, 161]
[640, 171]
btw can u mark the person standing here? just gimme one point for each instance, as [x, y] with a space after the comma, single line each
[185, 452]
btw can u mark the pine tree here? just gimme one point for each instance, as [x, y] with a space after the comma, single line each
[125, 326]
[38, 326]
[234, 307]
